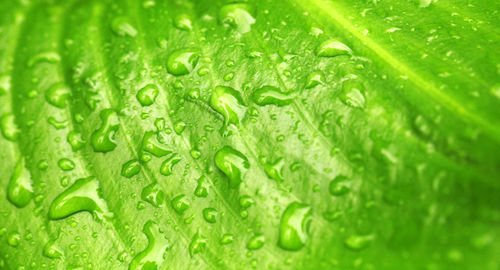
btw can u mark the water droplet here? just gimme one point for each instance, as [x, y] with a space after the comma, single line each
[198, 244]
[151, 144]
[228, 76]
[358, 242]
[74, 139]
[168, 165]
[339, 186]
[237, 15]
[227, 239]
[256, 242]
[103, 138]
[180, 204]
[57, 124]
[210, 215]
[66, 164]
[246, 201]
[152, 257]
[183, 22]
[147, 95]
[352, 94]
[8, 127]
[183, 61]
[83, 195]
[233, 164]
[315, 78]
[58, 95]
[294, 226]
[270, 95]
[51, 250]
[195, 153]
[332, 48]
[202, 187]
[228, 102]
[122, 27]
[14, 239]
[179, 127]
[122, 256]
[131, 168]
[275, 170]
[19, 190]
[153, 194]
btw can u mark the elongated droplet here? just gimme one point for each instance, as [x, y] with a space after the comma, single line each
[294, 226]
[332, 48]
[74, 139]
[233, 164]
[167, 166]
[20, 190]
[147, 95]
[202, 187]
[83, 195]
[8, 127]
[358, 242]
[152, 257]
[152, 145]
[270, 95]
[49, 57]
[257, 241]
[183, 61]
[103, 139]
[228, 102]
[50, 250]
[237, 15]
[153, 194]
[58, 95]
[131, 168]
[183, 22]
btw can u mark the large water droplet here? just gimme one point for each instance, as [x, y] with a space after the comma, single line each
[151, 144]
[233, 164]
[153, 194]
[153, 255]
[270, 95]
[8, 127]
[183, 61]
[332, 48]
[83, 195]
[228, 102]
[168, 165]
[19, 190]
[147, 95]
[74, 139]
[58, 95]
[238, 15]
[103, 139]
[294, 226]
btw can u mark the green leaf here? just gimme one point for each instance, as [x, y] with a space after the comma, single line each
[308, 134]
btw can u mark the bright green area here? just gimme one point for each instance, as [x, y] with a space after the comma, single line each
[307, 134]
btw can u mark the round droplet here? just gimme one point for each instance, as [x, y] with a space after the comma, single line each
[256, 242]
[58, 95]
[180, 204]
[332, 48]
[147, 95]
[210, 215]
[14, 239]
[339, 186]
[74, 139]
[294, 226]
[66, 164]
[183, 61]
[183, 22]
[315, 78]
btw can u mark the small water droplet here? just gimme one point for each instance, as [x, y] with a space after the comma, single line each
[66, 164]
[180, 204]
[58, 95]
[256, 242]
[74, 139]
[233, 164]
[183, 22]
[131, 168]
[339, 186]
[14, 239]
[122, 27]
[168, 165]
[358, 242]
[227, 239]
[179, 127]
[210, 215]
